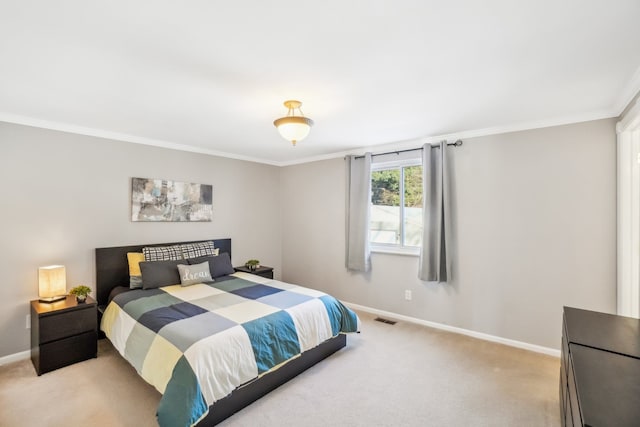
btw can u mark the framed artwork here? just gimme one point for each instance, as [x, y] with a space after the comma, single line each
[170, 201]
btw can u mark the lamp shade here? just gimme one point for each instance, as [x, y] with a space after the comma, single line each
[291, 127]
[52, 283]
[294, 128]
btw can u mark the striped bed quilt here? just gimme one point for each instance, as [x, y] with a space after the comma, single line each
[198, 343]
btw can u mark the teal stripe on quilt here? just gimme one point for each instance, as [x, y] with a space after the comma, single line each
[342, 318]
[182, 403]
[274, 339]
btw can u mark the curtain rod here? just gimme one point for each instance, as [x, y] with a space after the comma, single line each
[455, 144]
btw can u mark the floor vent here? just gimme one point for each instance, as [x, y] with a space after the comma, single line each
[387, 321]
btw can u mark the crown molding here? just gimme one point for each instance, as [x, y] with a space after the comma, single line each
[631, 120]
[400, 145]
[474, 133]
[630, 91]
[101, 133]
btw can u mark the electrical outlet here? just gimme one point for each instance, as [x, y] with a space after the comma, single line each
[28, 321]
[407, 295]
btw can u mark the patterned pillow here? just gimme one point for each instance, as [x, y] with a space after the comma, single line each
[195, 250]
[162, 253]
[194, 273]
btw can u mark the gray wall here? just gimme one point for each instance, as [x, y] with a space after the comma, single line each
[535, 229]
[534, 214]
[64, 195]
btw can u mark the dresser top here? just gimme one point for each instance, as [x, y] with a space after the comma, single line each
[67, 304]
[617, 334]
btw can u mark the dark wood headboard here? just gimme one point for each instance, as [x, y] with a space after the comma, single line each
[112, 266]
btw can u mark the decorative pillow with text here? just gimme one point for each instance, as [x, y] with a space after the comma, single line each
[194, 273]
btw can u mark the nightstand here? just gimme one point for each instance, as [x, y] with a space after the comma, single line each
[263, 271]
[63, 333]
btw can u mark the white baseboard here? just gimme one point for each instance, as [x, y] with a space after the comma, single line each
[474, 334]
[4, 360]
[513, 343]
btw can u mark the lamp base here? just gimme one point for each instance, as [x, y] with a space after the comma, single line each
[52, 299]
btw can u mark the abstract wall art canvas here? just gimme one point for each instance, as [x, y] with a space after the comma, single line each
[170, 201]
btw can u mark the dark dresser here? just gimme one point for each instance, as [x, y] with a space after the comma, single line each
[599, 370]
[263, 271]
[63, 333]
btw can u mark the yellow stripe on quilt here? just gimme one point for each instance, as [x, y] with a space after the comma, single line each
[251, 277]
[117, 325]
[246, 311]
[159, 363]
[108, 318]
[193, 292]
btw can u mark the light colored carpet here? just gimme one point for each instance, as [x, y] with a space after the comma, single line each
[402, 375]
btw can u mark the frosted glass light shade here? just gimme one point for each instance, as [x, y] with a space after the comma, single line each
[294, 128]
[52, 283]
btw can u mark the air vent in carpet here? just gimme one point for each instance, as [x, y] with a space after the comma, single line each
[387, 321]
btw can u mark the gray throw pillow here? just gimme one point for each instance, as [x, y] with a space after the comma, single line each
[194, 273]
[218, 265]
[160, 273]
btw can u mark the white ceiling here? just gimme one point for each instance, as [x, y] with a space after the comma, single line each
[211, 76]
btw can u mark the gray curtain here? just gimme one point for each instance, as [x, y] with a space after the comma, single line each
[358, 254]
[435, 261]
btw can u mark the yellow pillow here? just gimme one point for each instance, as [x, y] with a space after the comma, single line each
[134, 259]
[135, 275]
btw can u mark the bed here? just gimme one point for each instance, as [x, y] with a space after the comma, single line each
[215, 346]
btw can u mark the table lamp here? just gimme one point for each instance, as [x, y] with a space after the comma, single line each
[52, 283]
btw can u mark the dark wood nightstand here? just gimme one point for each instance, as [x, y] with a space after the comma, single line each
[63, 333]
[263, 271]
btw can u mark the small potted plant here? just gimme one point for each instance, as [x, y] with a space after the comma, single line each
[80, 292]
[252, 264]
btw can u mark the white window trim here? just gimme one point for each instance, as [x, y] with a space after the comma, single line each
[395, 164]
[395, 249]
[628, 295]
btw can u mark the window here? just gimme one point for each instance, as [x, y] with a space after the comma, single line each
[396, 206]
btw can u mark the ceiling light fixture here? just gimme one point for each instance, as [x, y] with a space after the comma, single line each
[293, 128]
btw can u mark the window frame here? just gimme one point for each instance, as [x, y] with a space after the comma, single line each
[398, 249]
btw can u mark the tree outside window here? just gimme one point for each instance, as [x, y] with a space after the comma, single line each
[396, 206]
